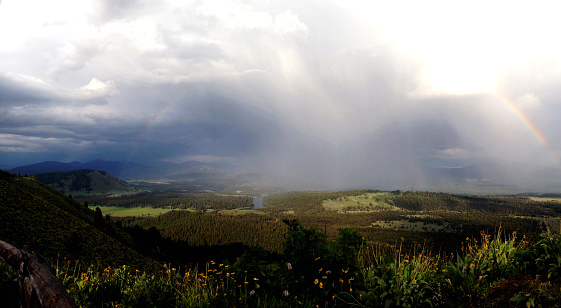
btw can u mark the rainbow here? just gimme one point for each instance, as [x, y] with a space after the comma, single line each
[531, 127]
[149, 126]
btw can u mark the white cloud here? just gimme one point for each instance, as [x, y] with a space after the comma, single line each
[97, 88]
[27, 79]
[528, 101]
[289, 23]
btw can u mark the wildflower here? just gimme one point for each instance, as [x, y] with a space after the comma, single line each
[289, 266]
[321, 285]
[252, 292]
[257, 286]
[316, 281]
[285, 293]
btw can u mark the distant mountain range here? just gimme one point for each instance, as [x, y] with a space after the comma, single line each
[128, 170]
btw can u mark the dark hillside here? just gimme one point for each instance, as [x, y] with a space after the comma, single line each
[37, 218]
[85, 182]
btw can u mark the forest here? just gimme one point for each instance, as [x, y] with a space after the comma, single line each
[365, 248]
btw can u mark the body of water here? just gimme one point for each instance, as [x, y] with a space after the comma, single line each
[258, 202]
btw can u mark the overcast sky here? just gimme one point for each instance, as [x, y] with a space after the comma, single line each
[349, 92]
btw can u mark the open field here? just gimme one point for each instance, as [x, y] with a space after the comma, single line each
[368, 202]
[116, 211]
[545, 199]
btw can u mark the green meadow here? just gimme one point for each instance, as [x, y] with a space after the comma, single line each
[116, 211]
[377, 201]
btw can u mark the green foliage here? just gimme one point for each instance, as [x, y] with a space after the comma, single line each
[173, 200]
[312, 271]
[86, 182]
[308, 202]
[538, 294]
[211, 229]
[503, 205]
[309, 268]
[393, 278]
[49, 223]
[9, 290]
[544, 257]
[75, 180]
[470, 274]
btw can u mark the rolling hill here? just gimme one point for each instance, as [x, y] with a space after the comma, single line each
[39, 219]
[86, 182]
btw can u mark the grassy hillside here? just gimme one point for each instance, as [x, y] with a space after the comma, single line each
[39, 219]
[86, 182]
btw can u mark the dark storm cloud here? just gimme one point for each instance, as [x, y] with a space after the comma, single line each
[13, 93]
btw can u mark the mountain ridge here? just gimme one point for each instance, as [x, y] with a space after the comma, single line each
[125, 170]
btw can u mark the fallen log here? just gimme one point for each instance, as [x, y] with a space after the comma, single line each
[37, 281]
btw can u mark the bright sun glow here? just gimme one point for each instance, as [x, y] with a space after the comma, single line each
[463, 49]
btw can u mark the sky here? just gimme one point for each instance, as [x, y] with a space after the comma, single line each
[347, 93]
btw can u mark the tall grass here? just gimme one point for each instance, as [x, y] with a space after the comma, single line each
[469, 274]
[215, 285]
[393, 277]
[385, 276]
